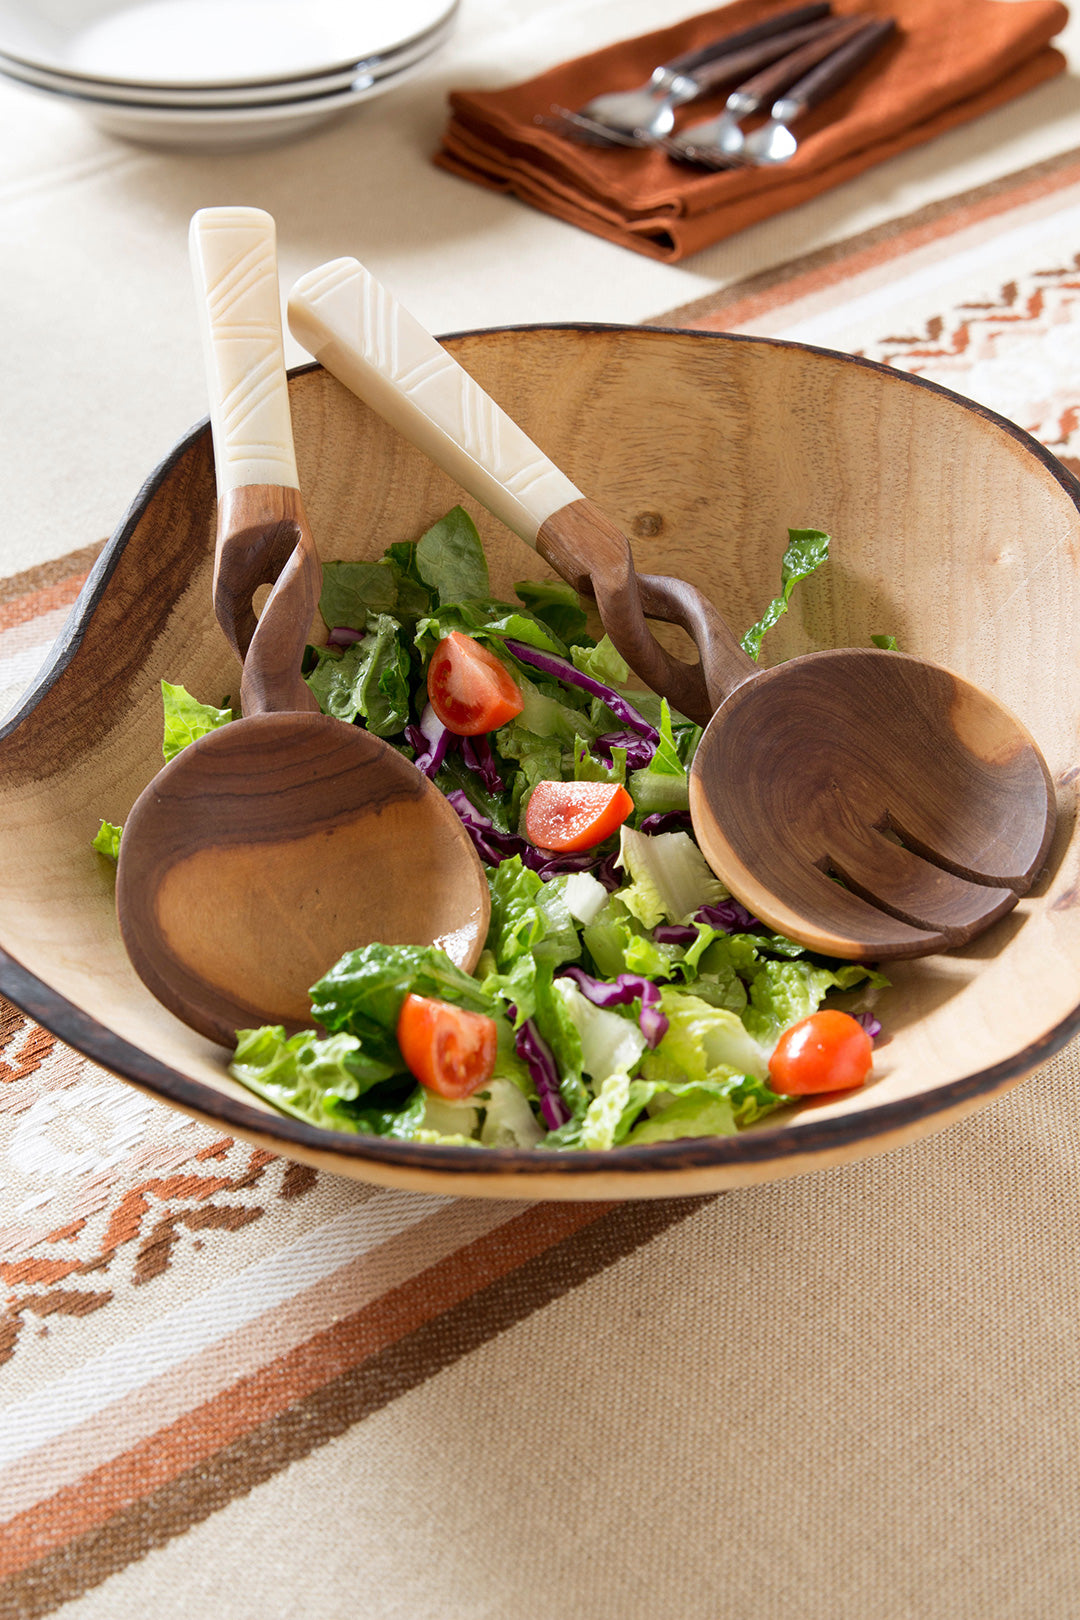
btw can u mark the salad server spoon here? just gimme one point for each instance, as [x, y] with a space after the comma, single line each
[864, 802]
[267, 848]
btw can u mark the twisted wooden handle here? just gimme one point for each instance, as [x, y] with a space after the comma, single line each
[583, 545]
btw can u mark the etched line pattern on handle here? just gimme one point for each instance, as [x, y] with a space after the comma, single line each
[247, 346]
[396, 346]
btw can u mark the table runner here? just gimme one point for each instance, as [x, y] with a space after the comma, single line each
[229, 1381]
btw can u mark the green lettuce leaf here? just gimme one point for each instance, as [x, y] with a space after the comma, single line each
[369, 680]
[308, 1077]
[603, 662]
[783, 992]
[450, 558]
[555, 604]
[618, 944]
[491, 623]
[588, 768]
[806, 550]
[107, 840]
[362, 993]
[663, 784]
[508, 1119]
[886, 643]
[351, 591]
[698, 1112]
[186, 719]
[669, 877]
[553, 712]
[552, 1018]
[700, 1040]
[611, 1043]
[531, 927]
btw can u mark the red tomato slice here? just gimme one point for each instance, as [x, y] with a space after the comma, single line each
[469, 689]
[829, 1051]
[575, 815]
[449, 1050]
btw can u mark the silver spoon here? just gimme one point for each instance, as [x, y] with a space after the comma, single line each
[774, 142]
[723, 134]
[649, 109]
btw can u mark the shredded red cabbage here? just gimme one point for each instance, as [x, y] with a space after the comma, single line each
[342, 636]
[639, 750]
[538, 1057]
[729, 916]
[495, 846]
[562, 670]
[476, 752]
[674, 934]
[431, 739]
[667, 821]
[626, 988]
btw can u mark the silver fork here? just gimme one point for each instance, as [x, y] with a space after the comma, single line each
[620, 116]
[773, 142]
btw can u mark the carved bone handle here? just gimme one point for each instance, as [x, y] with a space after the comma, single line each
[262, 533]
[364, 338]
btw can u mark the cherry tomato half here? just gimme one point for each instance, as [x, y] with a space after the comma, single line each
[575, 815]
[829, 1051]
[449, 1050]
[470, 690]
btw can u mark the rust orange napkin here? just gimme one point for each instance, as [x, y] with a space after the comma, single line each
[951, 61]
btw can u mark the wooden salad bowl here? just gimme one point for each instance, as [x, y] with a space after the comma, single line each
[951, 529]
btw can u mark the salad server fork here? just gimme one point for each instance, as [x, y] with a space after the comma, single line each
[649, 109]
[724, 134]
[926, 798]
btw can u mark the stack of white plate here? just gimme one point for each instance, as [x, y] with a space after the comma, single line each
[216, 73]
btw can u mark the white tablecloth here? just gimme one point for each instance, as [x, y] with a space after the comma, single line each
[101, 366]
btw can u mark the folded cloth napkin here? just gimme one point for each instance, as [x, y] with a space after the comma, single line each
[950, 61]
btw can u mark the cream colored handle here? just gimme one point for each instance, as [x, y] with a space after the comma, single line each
[364, 338]
[234, 262]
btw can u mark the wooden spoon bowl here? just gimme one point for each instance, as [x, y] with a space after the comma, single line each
[873, 804]
[267, 849]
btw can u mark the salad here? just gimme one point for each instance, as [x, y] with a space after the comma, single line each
[622, 995]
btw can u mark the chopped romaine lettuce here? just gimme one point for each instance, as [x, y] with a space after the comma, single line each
[186, 719]
[634, 1001]
[610, 1043]
[107, 842]
[783, 992]
[669, 877]
[806, 550]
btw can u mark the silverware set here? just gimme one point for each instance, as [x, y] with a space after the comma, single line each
[788, 65]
